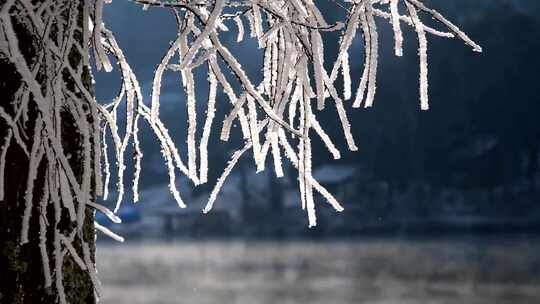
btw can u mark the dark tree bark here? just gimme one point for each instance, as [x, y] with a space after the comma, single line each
[21, 265]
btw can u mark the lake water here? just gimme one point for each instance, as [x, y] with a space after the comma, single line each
[379, 271]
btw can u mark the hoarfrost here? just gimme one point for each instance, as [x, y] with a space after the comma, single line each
[276, 115]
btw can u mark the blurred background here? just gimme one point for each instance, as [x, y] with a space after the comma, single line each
[441, 206]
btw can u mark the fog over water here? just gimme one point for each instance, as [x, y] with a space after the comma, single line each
[389, 271]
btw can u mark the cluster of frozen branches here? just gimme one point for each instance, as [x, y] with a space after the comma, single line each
[52, 83]
[277, 116]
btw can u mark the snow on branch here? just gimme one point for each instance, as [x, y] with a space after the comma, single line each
[277, 115]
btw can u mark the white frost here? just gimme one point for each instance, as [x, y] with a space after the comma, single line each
[275, 112]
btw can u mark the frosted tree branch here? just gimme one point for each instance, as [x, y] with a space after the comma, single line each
[277, 115]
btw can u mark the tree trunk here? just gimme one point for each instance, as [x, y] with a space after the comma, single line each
[23, 264]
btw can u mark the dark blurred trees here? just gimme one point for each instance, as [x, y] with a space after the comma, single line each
[481, 135]
[482, 129]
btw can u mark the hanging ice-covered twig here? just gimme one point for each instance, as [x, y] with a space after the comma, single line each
[347, 84]
[101, 58]
[229, 118]
[234, 159]
[324, 137]
[292, 156]
[189, 88]
[398, 36]
[370, 31]
[254, 132]
[108, 232]
[289, 30]
[449, 25]
[240, 26]
[317, 49]
[422, 52]
[408, 20]
[210, 114]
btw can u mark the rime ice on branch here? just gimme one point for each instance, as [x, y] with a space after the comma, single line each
[278, 115]
[290, 35]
